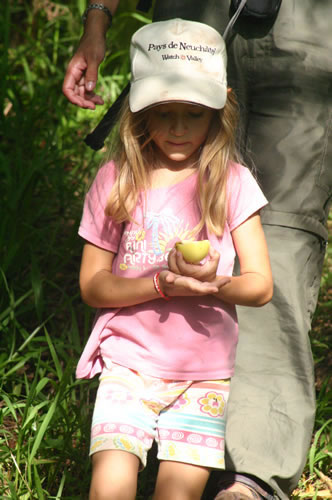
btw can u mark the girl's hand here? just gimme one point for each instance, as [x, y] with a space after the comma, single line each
[202, 272]
[175, 285]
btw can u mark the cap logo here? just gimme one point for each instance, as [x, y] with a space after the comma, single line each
[181, 46]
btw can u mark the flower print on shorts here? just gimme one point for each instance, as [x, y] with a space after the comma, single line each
[212, 403]
[181, 401]
[122, 442]
[153, 405]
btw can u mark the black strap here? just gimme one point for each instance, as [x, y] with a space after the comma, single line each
[239, 9]
[97, 137]
[144, 5]
[260, 9]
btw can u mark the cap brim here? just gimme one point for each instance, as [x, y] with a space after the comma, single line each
[164, 88]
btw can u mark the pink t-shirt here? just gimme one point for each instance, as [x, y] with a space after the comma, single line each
[186, 338]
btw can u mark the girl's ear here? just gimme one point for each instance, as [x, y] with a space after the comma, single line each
[229, 90]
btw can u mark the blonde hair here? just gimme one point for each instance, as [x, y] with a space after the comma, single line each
[134, 157]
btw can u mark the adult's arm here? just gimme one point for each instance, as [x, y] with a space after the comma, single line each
[82, 71]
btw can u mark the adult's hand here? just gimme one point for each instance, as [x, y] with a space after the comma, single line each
[82, 71]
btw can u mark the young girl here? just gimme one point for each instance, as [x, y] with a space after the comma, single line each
[166, 331]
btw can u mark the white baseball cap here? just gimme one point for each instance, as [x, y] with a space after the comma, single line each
[177, 60]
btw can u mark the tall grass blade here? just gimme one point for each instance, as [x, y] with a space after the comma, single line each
[39, 489]
[43, 428]
[315, 454]
[54, 355]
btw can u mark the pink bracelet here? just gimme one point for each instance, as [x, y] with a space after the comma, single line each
[157, 287]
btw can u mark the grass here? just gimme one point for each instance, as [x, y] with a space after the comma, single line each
[45, 169]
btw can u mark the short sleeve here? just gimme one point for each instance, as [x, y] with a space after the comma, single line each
[96, 227]
[245, 197]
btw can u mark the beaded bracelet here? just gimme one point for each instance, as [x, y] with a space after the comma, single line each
[157, 287]
[98, 6]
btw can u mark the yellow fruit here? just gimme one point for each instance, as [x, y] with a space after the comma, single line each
[193, 251]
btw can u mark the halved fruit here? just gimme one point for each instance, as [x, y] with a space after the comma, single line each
[193, 251]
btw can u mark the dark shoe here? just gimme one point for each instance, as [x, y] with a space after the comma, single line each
[236, 495]
[233, 495]
[239, 487]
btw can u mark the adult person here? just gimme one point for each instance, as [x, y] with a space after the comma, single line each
[281, 77]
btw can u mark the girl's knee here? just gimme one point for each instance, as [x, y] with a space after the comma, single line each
[180, 481]
[114, 475]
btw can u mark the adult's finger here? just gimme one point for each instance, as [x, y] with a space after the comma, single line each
[74, 77]
[74, 89]
[91, 75]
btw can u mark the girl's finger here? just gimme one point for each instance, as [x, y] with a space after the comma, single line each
[214, 255]
[172, 262]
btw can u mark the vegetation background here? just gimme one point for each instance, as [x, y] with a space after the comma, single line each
[45, 169]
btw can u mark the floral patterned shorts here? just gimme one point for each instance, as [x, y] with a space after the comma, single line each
[185, 418]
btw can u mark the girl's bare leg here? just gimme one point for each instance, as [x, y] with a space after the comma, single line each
[180, 481]
[114, 475]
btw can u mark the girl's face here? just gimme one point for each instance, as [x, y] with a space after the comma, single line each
[178, 130]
